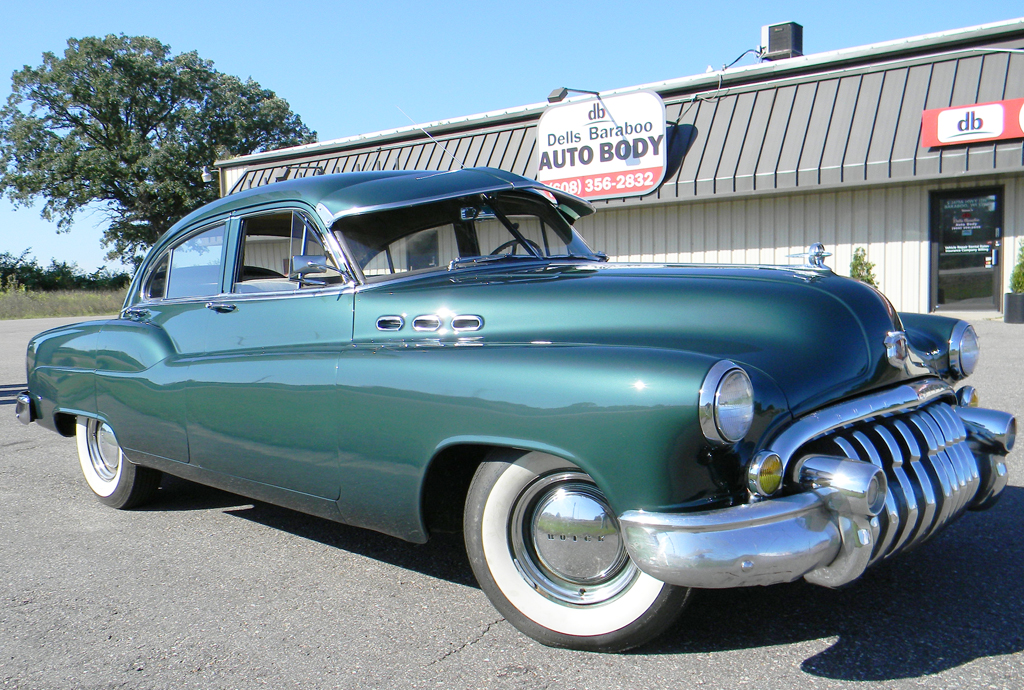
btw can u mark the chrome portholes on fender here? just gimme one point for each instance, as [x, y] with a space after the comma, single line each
[115, 481]
[392, 322]
[429, 323]
[426, 322]
[467, 322]
[547, 550]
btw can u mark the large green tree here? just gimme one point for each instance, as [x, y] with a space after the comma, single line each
[120, 123]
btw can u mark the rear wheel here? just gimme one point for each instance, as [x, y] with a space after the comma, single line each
[546, 549]
[115, 481]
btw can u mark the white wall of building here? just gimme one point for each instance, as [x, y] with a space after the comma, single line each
[891, 222]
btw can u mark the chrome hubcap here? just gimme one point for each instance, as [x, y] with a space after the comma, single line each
[565, 539]
[106, 453]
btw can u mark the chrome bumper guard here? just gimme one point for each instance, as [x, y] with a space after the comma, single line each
[23, 408]
[907, 472]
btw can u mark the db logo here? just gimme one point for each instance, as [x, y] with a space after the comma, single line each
[970, 124]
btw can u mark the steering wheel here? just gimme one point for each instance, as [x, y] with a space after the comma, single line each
[512, 243]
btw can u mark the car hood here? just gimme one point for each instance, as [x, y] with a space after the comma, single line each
[819, 336]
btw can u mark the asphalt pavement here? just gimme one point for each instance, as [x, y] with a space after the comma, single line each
[205, 589]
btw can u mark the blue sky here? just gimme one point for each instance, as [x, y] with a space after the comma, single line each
[346, 68]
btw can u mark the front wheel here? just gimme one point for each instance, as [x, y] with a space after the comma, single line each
[546, 549]
[115, 481]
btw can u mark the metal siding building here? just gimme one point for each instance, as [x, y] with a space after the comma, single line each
[782, 154]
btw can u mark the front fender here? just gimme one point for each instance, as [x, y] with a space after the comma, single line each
[626, 416]
[928, 336]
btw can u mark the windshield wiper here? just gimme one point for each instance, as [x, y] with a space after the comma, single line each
[473, 260]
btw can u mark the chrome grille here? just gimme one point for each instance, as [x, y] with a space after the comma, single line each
[932, 473]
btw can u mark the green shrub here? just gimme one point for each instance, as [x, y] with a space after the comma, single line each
[861, 269]
[1017, 276]
[59, 275]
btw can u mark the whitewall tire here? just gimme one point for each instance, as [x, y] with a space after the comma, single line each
[546, 549]
[115, 481]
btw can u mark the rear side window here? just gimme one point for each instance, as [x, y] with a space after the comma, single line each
[191, 269]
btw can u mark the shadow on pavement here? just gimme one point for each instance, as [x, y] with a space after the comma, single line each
[955, 599]
[177, 494]
[9, 391]
[443, 557]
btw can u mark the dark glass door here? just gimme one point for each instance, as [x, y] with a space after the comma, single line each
[966, 233]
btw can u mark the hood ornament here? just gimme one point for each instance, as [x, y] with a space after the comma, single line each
[896, 348]
[815, 256]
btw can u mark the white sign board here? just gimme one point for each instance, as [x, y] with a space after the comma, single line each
[603, 147]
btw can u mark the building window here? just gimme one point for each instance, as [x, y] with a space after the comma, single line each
[966, 236]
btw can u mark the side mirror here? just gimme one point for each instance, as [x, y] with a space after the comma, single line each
[307, 265]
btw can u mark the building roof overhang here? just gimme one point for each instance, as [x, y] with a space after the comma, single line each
[929, 45]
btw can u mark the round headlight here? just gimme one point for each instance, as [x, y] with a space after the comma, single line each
[726, 403]
[963, 350]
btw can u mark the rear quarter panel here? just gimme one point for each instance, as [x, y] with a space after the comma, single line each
[61, 366]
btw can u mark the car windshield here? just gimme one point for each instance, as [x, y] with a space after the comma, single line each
[454, 233]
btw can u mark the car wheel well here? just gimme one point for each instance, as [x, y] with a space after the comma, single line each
[446, 485]
[66, 424]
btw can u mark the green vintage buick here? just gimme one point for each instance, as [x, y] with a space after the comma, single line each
[412, 351]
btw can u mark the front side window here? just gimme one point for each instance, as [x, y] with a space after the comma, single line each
[458, 232]
[269, 241]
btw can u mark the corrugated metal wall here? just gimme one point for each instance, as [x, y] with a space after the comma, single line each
[847, 127]
[890, 222]
[851, 127]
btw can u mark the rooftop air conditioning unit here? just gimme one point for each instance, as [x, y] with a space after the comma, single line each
[780, 41]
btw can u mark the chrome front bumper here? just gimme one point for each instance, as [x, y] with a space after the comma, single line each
[936, 461]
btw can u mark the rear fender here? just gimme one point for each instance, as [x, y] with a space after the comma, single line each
[61, 365]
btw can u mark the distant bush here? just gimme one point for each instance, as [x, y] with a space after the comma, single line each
[1017, 275]
[862, 269]
[26, 273]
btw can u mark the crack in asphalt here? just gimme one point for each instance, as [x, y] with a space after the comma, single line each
[470, 643]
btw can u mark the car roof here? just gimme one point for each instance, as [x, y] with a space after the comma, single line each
[360, 192]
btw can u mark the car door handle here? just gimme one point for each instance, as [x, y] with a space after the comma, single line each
[221, 307]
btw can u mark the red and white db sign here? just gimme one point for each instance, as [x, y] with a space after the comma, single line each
[604, 147]
[964, 124]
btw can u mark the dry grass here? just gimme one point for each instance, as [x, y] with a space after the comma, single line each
[22, 304]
